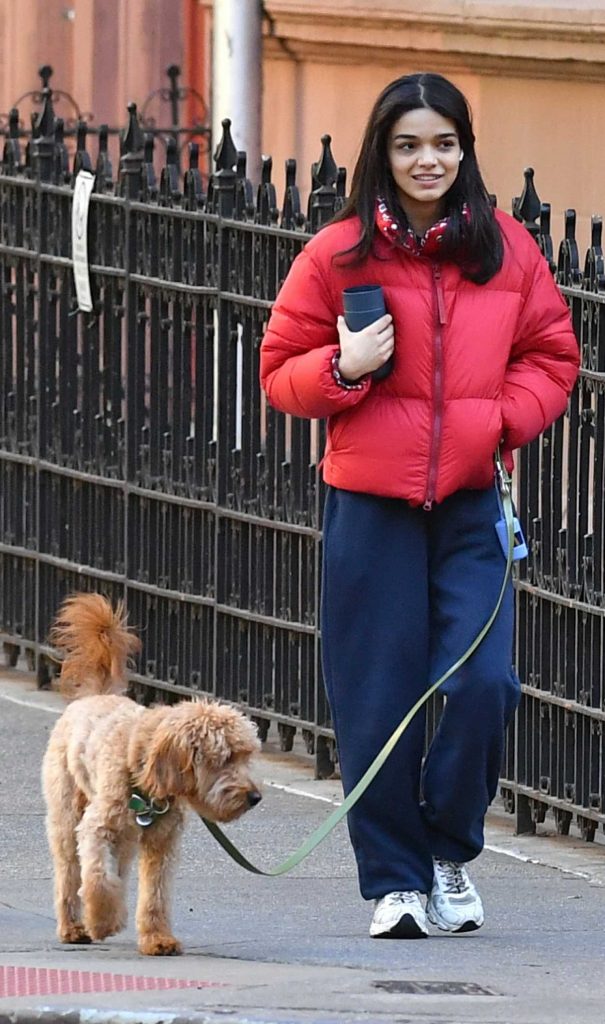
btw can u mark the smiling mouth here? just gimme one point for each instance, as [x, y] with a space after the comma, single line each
[427, 177]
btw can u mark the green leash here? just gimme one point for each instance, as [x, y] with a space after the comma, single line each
[504, 486]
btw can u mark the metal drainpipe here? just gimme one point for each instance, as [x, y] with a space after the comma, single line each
[237, 76]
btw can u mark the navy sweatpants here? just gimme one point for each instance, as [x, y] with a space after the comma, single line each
[405, 592]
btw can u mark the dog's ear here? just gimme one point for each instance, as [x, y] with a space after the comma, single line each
[222, 732]
[168, 768]
[214, 747]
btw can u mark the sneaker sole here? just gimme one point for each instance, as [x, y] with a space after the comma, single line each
[466, 926]
[406, 928]
[469, 926]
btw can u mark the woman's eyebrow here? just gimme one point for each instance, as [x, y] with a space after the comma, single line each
[440, 135]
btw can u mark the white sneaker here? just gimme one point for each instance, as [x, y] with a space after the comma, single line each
[399, 915]
[454, 904]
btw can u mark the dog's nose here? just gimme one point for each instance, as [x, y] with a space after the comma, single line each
[254, 797]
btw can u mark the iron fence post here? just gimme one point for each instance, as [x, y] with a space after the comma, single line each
[43, 156]
[131, 167]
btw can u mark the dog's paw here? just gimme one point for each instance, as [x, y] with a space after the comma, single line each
[156, 944]
[75, 933]
[103, 918]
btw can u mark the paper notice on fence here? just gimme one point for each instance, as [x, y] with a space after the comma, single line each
[79, 238]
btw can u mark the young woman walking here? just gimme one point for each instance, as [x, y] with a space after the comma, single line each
[483, 354]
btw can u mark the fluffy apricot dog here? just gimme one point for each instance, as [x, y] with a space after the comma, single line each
[105, 753]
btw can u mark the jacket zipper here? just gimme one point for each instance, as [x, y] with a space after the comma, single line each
[440, 321]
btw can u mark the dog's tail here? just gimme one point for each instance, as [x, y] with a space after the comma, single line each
[96, 644]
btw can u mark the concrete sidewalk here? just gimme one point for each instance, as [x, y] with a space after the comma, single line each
[295, 948]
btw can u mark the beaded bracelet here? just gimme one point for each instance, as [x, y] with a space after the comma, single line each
[340, 380]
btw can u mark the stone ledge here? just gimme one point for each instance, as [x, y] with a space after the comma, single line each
[557, 41]
[553, 17]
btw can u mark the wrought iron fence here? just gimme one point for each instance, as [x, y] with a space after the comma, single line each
[138, 456]
[559, 751]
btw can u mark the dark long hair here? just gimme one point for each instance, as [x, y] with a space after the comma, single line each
[475, 243]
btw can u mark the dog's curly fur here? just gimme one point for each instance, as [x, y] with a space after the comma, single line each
[194, 754]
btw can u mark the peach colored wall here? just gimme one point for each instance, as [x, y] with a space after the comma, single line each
[556, 128]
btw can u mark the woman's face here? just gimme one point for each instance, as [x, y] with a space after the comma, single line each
[424, 156]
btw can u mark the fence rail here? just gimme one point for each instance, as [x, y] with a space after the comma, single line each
[138, 456]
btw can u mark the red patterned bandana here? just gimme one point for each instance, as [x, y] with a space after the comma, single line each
[428, 245]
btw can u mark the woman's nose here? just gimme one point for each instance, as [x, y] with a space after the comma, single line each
[427, 158]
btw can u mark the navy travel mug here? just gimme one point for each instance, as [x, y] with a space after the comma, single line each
[364, 304]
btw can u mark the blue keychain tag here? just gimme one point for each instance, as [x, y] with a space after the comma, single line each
[520, 546]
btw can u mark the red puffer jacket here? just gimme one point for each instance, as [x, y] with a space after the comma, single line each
[473, 364]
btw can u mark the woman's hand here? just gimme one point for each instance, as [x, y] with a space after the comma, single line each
[361, 352]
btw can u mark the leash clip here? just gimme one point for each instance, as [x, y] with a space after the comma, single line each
[502, 478]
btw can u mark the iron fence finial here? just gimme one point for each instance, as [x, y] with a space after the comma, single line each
[172, 156]
[169, 179]
[193, 191]
[43, 144]
[528, 206]
[131, 159]
[267, 211]
[594, 266]
[225, 156]
[174, 92]
[45, 120]
[568, 262]
[82, 161]
[148, 148]
[45, 73]
[61, 154]
[267, 168]
[150, 184]
[173, 72]
[325, 171]
[544, 237]
[545, 219]
[132, 139]
[292, 215]
[323, 200]
[244, 193]
[11, 157]
[13, 123]
[104, 167]
[341, 183]
[290, 173]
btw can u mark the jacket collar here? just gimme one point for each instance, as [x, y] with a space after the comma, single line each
[428, 245]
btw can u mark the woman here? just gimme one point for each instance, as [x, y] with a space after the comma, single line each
[483, 354]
